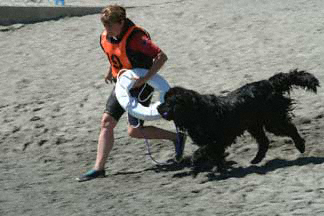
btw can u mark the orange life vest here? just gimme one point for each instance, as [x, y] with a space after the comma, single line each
[116, 51]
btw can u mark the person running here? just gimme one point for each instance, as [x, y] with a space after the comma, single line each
[128, 46]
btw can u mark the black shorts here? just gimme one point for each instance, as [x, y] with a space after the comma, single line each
[114, 109]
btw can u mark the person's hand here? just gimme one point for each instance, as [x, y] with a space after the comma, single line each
[139, 82]
[108, 78]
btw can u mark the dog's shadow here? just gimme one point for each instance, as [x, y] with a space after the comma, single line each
[272, 165]
[237, 172]
[231, 172]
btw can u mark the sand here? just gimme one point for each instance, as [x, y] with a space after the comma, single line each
[53, 94]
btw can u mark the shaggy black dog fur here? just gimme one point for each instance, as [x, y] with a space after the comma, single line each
[214, 122]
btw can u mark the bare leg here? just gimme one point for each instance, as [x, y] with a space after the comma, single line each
[105, 141]
[151, 132]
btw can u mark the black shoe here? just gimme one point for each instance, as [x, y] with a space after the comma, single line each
[91, 174]
[179, 146]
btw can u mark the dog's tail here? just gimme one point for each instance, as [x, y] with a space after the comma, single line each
[284, 82]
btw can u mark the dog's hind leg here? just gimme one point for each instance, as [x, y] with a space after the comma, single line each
[263, 142]
[287, 128]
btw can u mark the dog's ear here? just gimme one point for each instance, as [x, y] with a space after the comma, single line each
[185, 105]
[180, 105]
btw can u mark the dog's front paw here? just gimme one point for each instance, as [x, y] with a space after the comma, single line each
[221, 168]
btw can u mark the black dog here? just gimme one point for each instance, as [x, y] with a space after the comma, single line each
[214, 122]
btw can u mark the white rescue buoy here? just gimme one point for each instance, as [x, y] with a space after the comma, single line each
[126, 80]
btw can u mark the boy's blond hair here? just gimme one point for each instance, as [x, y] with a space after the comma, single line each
[113, 14]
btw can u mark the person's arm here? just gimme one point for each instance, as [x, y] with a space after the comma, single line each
[158, 62]
[108, 76]
[143, 44]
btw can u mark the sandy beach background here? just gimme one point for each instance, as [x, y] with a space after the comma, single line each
[53, 94]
